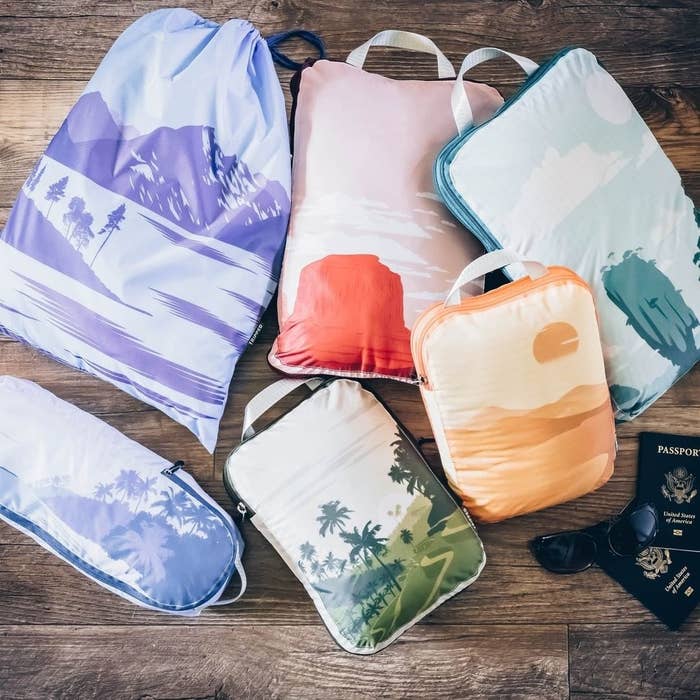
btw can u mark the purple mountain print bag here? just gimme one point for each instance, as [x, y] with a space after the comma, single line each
[146, 243]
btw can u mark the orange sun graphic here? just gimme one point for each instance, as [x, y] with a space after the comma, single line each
[554, 341]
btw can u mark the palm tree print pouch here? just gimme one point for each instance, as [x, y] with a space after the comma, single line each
[341, 492]
[582, 182]
[120, 514]
[147, 241]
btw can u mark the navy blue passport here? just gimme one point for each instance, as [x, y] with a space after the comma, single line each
[669, 478]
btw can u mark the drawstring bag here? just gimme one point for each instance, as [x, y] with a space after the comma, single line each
[341, 491]
[370, 245]
[121, 515]
[514, 385]
[568, 173]
[147, 241]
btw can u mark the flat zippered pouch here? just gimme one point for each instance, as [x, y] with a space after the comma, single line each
[120, 514]
[339, 489]
[370, 245]
[568, 173]
[514, 386]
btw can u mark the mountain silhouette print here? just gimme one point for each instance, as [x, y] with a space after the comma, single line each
[348, 315]
[180, 174]
[29, 232]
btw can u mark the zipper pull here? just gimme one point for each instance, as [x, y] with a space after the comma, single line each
[242, 510]
[169, 471]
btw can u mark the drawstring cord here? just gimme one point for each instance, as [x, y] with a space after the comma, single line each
[281, 58]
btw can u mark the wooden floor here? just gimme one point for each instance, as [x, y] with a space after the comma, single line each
[518, 631]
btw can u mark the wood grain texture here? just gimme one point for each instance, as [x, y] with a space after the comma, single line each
[640, 43]
[280, 662]
[518, 631]
[631, 661]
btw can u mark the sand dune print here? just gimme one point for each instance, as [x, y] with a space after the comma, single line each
[515, 454]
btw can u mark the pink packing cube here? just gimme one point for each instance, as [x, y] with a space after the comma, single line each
[370, 245]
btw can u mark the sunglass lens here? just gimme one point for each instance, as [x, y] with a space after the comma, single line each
[565, 553]
[634, 531]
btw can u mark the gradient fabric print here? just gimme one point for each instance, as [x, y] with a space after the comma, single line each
[356, 513]
[370, 245]
[523, 419]
[582, 182]
[146, 243]
[114, 510]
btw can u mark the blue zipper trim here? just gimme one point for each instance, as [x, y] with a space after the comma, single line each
[115, 583]
[441, 168]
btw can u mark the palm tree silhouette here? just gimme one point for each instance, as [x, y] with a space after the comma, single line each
[128, 483]
[365, 544]
[317, 569]
[144, 547]
[82, 232]
[144, 488]
[76, 208]
[102, 491]
[308, 551]
[199, 519]
[167, 505]
[373, 608]
[333, 516]
[55, 192]
[406, 536]
[331, 563]
[114, 218]
[177, 506]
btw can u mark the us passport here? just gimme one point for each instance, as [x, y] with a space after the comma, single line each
[665, 581]
[669, 478]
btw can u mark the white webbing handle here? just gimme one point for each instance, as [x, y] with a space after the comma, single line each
[464, 117]
[268, 397]
[489, 262]
[402, 40]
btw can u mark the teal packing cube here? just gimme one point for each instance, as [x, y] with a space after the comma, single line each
[568, 173]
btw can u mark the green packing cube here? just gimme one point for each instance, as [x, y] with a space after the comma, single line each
[340, 490]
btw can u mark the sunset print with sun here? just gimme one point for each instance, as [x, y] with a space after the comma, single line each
[528, 418]
[370, 245]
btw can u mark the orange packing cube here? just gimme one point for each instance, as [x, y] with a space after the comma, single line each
[514, 384]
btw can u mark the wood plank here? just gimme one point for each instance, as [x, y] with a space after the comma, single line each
[647, 44]
[279, 662]
[223, 9]
[87, 392]
[634, 661]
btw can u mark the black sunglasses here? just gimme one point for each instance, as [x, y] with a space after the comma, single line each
[572, 551]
